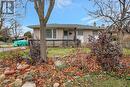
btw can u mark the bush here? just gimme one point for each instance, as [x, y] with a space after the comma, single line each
[2, 38]
[107, 52]
[28, 34]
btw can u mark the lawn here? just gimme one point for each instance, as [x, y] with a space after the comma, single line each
[64, 51]
[126, 51]
[108, 81]
[61, 52]
[100, 80]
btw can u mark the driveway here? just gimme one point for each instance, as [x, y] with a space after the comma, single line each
[8, 49]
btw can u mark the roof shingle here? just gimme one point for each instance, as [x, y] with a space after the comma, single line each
[77, 26]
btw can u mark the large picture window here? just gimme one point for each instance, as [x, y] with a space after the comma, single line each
[80, 32]
[95, 33]
[51, 33]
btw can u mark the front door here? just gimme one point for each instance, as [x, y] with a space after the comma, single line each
[80, 36]
[65, 34]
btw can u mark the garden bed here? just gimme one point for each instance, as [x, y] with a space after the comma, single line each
[75, 70]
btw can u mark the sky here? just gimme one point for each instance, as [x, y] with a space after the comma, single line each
[64, 12]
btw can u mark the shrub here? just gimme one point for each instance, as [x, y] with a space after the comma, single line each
[107, 52]
[28, 34]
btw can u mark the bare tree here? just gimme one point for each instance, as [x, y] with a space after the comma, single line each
[43, 19]
[15, 28]
[4, 33]
[1, 20]
[116, 12]
[1, 24]
[15, 8]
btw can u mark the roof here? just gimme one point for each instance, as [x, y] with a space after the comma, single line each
[77, 26]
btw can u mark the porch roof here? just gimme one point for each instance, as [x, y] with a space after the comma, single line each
[69, 26]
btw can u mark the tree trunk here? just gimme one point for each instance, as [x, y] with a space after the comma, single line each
[120, 39]
[1, 23]
[43, 47]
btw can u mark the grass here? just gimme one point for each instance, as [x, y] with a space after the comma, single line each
[96, 80]
[64, 51]
[86, 50]
[61, 52]
[126, 51]
[11, 54]
[108, 81]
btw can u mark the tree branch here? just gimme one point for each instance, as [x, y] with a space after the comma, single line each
[51, 6]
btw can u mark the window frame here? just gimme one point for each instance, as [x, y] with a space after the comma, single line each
[80, 33]
[95, 33]
[52, 34]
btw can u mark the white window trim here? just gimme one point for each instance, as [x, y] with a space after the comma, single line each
[52, 32]
[77, 33]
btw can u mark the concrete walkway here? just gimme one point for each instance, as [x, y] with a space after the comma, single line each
[8, 49]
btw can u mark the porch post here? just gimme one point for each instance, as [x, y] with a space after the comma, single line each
[75, 36]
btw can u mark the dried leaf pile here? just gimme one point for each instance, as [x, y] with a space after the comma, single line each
[47, 75]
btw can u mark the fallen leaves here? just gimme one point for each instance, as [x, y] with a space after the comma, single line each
[48, 74]
[9, 71]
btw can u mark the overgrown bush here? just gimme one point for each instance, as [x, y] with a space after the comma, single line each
[107, 51]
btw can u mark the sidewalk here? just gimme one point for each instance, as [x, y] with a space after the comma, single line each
[10, 49]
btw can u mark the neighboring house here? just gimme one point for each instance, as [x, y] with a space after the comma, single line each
[67, 32]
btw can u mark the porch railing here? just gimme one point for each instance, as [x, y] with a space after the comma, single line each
[58, 42]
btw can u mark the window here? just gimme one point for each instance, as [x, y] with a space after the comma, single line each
[95, 33]
[80, 32]
[65, 33]
[54, 33]
[51, 33]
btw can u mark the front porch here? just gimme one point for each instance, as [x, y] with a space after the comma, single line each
[62, 35]
[58, 43]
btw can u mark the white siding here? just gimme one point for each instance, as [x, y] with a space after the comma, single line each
[59, 33]
[36, 33]
[86, 34]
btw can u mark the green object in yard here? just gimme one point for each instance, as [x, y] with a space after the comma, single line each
[128, 77]
[20, 43]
